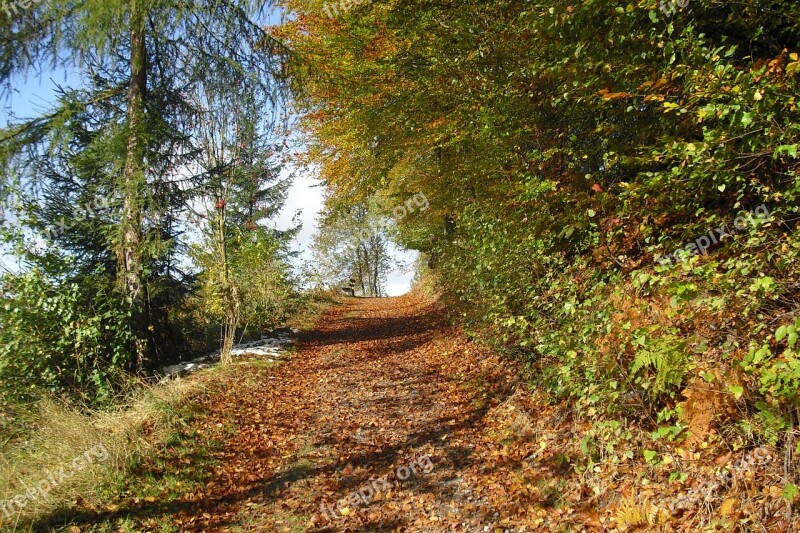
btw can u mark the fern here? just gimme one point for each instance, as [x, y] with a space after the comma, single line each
[661, 366]
[630, 514]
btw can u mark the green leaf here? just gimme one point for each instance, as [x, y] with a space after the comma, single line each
[650, 456]
[792, 339]
[780, 334]
[790, 492]
[707, 376]
[788, 149]
[737, 391]
[585, 444]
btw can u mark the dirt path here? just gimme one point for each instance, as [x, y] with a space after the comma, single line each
[387, 419]
[376, 424]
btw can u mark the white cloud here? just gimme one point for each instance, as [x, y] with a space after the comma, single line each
[307, 196]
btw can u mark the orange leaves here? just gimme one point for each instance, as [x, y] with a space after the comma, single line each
[608, 95]
[380, 384]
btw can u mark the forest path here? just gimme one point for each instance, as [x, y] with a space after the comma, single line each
[385, 419]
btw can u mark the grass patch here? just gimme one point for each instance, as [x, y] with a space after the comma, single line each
[68, 453]
[132, 468]
[171, 468]
[291, 523]
[311, 311]
[159, 485]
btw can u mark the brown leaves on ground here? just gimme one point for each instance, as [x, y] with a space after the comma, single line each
[380, 385]
[388, 419]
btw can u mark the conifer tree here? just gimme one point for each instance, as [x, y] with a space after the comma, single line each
[143, 59]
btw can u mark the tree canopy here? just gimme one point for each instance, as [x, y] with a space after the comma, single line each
[567, 148]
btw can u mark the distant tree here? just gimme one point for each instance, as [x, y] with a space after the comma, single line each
[352, 243]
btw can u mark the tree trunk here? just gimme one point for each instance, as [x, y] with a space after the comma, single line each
[129, 251]
[365, 268]
[360, 265]
[230, 296]
[376, 267]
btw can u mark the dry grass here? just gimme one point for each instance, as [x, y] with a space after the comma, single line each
[316, 303]
[105, 443]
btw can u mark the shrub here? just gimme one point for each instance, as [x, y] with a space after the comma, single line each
[61, 337]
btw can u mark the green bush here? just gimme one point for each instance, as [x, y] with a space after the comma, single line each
[62, 337]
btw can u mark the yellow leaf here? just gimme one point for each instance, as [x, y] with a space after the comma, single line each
[757, 97]
[346, 511]
[728, 506]
[776, 491]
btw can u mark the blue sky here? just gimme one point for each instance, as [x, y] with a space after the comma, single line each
[32, 96]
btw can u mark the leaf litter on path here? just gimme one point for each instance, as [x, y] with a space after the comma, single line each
[387, 418]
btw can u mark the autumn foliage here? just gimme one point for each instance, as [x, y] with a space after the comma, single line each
[566, 150]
